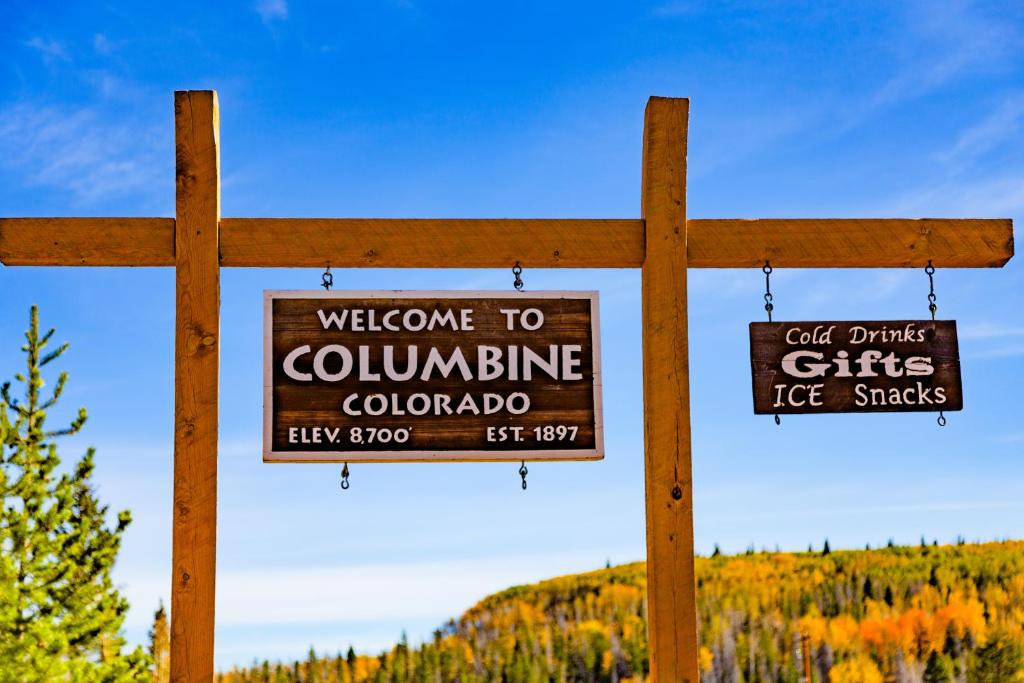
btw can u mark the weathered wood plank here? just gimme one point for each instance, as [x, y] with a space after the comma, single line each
[196, 355]
[87, 241]
[375, 396]
[494, 243]
[612, 243]
[866, 366]
[849, 242]
[431, 243]
[671, 582]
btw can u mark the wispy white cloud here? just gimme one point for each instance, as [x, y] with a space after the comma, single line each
[948, 40]
[50, 48]
[877, 286]
[996, 196]
[101, 44]
[1001, 125]
[272, 10]
[80, 151]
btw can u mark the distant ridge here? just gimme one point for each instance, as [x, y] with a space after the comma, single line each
[920, 614]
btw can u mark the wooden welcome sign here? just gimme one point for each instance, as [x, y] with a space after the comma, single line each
[855, 367]
[402, 376]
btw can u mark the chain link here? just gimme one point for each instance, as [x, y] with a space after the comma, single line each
[517, 270]
[768, 305]
[929, 270]
[327, 281]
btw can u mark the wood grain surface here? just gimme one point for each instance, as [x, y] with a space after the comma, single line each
[87, 241]
[303, 401]
[432, 243]
[196, 356]
[497, 243]
[849, 242]
[671, 582]
[613, 243]
[849, 384]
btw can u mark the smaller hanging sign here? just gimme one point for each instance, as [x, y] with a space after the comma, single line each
[855, 367]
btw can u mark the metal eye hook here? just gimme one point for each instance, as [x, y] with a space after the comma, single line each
[327, 281]
[344, 478]
[523, 472]
[517, 270]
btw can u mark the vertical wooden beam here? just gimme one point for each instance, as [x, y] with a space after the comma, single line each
[196, 361]
[671, 585]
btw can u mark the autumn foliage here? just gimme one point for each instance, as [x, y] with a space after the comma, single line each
[899, 614]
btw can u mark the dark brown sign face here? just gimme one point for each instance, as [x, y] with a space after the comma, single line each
[403, 376]
[855, 367]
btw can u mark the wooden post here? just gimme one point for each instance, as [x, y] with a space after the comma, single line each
[196, 361]
[805, 648]
[671, 584]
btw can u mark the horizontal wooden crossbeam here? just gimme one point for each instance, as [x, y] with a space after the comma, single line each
[849, 242]
[87, 241]
[496, 243]
[431, 243]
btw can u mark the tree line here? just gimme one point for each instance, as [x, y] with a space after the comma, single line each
[926, 614]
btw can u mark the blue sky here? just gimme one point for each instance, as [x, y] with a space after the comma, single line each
[411, 108]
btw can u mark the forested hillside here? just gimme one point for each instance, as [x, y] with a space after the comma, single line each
[903, 614]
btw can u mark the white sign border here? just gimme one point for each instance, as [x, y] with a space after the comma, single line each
[468, 455]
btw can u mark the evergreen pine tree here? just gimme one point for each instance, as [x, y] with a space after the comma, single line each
[999, 661]
[160, 646]
[350, 658]
[938, 669]
[312, 667]
[60, 615]
[826, 550]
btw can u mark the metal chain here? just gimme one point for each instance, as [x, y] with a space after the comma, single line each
[769, 306]
[929, 270]
[327, 281]
[517, 270]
